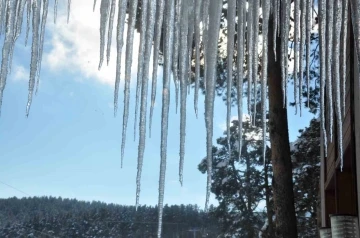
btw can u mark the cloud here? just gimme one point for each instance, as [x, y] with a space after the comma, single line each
[20, 73]
[75, 46]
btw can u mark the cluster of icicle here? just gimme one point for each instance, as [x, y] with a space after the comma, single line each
[190, 29]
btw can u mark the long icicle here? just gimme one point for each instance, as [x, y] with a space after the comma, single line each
[94, 5]
[183, 82]
[250, 43]
[198, 4]
[240, 66]
[296, 53]
[301, 53]
[255, 55]
[104, 17]
[55, 10]
[175, 61]
[329, 44]
[34, 51]
[119, 45]
[308, 45]
[128, 64]
[110, 30]
[28, 16]
[265, 30]
[275, 23]
[158, 31]
[284, 47]
[140, 60]
[211, 55]
[150, 21]
[168, 41]
[336, 65]
[230, 55]
[344, 37]
[7, 46]
[41, 43]
[322, 30]
[190, 41]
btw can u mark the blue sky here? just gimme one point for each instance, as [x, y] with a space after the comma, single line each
[70, 144]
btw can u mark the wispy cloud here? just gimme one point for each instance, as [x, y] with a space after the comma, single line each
[19, 73]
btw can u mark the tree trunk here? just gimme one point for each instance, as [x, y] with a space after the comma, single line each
[280, 148]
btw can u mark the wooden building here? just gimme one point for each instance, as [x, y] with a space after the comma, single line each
[340, 190]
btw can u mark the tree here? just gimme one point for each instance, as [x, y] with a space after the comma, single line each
[238, 183]
[306, 160]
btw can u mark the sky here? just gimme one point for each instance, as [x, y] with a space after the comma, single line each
[69, 146]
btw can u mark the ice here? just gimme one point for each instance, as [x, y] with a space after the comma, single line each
[198, 5]
[119, 45]
[344, 38]
[41, 43]
[240, 66]
[230, 55]
[265, 30]
[128, 63]
[183, 81]
[336, 69]
[168, 47]
[158, 27]
[296, 53]
[104, 17]
[36, 5]
[150, 21]
[322, 30]
[215, 8]
[250, 43]
[329, 44]
[308, 45]
[110, 30]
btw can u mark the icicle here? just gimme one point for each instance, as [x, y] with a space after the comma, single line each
[55, 10]
[104, 17]
[41, 43]
[176, 51]
[284, 46]
[183, 82]
[158, 31]
[150, 21]
[329, 44]
[7, 45]
[140, 59]
[296, 52]
[308, 45]
[36, 5]
[250, 43]
[128, 63]
[265, 30]
[69, 7]
[302, 45]
[94, 5]
[276, 22]
[28, 15]
[19, 18]
[168, 40]
[355, 17]
[322, 31]
[190, 41]
[110, 30]
[198, 5]
[119, 46]
[2, 13]
[211, 56]
[255, 54]
[343, 53]
[230, 55]
[240, 66]
[336, 65]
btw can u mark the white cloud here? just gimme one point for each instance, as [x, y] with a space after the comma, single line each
[75, 47]
[20, 73]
